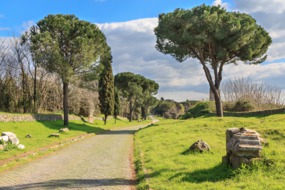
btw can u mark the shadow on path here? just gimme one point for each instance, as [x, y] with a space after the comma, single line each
[73, 183]
[119, 132]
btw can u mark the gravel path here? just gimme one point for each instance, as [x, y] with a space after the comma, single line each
[98, 162]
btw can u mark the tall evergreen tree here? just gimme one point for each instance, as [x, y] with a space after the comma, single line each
[117, 104]
[106, 87]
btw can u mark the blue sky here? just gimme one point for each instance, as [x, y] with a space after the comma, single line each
[14, 13]
[128, 26]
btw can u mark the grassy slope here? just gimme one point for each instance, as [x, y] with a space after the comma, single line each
[41, 130]
[162, 150]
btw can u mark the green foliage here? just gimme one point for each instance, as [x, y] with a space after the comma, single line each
[169, 109]
[65, 45]
[223, 36]
[106, 87]
[200, 109]
[163, 144]
[215, 37]
[239, 106]
[243, 105]
[9, 146]
[138, 90]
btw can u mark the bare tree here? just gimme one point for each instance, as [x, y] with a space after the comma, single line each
[260, 94]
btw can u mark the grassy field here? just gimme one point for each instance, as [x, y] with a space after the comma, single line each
[162, 161]
[40, 132]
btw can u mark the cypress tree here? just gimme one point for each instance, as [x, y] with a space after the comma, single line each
[106, 87]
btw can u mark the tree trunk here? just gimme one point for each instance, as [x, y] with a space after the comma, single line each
[65, 104]
[214, 87]
[143, 112]
[105, 119]
[24, 90]
[211, 95]
[35, 91]
[218, 103]
[131, 110]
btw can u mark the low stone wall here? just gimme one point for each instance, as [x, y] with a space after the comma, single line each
[257, 113]
[33, 117]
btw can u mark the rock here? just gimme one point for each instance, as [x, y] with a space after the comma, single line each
[5, 139]
[12, 137]
[21, 146]
[199, 146]
[1, 146]
[242, 146]
[63, 130]
[54, 135]
[28, 136]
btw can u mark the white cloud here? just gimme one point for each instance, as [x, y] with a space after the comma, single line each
[273, 6]
[133, 49]
[27, 25]
[271, 16]
[220, 2]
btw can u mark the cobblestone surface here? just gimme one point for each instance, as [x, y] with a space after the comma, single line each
[99, 162]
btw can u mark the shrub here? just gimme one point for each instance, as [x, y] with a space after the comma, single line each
[243, 105]
[200, 109]
[228, 106]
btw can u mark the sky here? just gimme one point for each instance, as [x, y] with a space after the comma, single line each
[128, 26]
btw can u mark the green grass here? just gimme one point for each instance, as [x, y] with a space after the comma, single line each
[41, 130]
[160, 149]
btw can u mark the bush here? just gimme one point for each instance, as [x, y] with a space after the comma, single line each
[200, 109]
[243, 105]
[228, 106]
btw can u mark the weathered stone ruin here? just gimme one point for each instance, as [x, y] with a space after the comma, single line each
[243, 146]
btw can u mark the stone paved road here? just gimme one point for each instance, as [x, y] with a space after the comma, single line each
[98, 162]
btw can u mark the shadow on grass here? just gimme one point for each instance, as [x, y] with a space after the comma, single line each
[217, 173]
[74, 184]
[56, 125]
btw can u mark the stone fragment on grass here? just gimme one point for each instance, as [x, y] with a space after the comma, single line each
[5, 139]
[199, 146]
[54, 135]
[21, 146]
[1, 146]
[12, 137]
[28, 136]
[63, 130]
